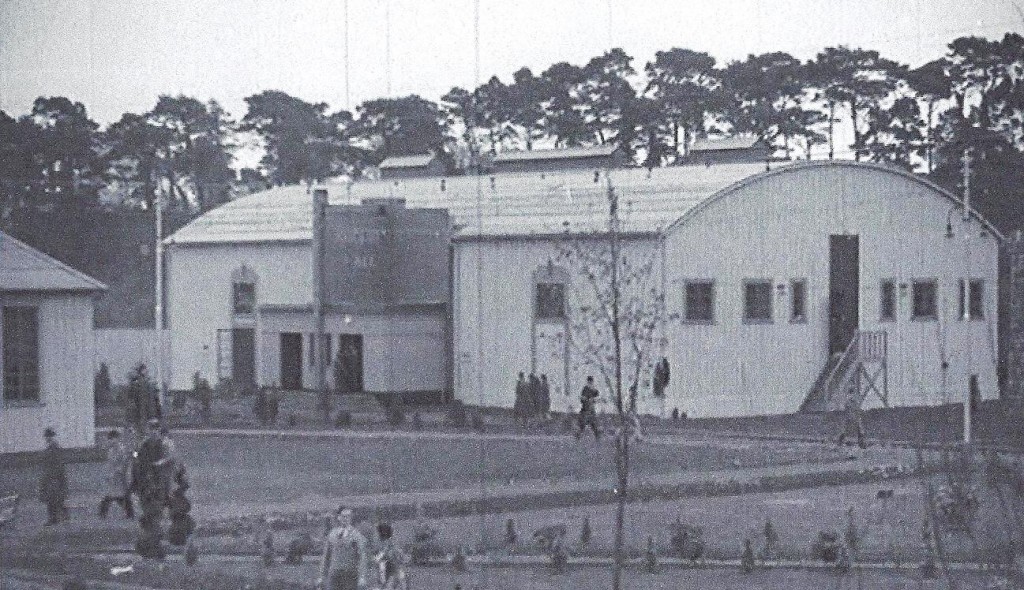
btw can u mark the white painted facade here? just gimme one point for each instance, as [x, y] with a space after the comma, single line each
[774, 226]
[777, 226]
[402, 351]
[65, 375]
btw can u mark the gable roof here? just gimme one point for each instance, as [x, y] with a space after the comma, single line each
[562, 154]
[23, 268]
[510, 204]
[742, 142]
[415, 161]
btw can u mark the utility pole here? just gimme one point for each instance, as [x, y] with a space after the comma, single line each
[158, 308]
[965, 289]
[319, 220]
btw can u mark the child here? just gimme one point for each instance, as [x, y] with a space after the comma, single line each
[389, 560]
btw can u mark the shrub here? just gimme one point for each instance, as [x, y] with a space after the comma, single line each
[478, 422]
[203, 392]
[342, 419]
[687, 540]
[299, 548]
[101, 386]
[394, 414]
[227, 389]
[417, 421]
[826, 547]
[457, 415]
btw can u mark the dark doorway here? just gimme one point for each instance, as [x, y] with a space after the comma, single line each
[348, 372]
[844, 288]
[291, 360]
[243, 357]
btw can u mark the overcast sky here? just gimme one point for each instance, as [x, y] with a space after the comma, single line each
[119, 55]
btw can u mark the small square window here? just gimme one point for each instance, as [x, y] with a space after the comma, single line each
[887, 301]
[244, 298]
[925, 300]
[798, 300]
[700, 302]
[550, 301]
[757, 301]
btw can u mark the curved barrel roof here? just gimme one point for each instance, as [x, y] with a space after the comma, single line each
[502, 205]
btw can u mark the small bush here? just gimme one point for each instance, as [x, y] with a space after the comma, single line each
[227, 389]
[687, 541]
[342, 419]
[417, 421]
[395, 415]
[826, 547]
[478, 422]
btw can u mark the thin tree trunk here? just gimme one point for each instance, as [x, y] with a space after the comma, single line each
[621, 443]
[856, 131]
[931, 106]
[675, 138]
[831, 130]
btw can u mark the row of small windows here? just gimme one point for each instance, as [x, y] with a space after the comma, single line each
[699, 300]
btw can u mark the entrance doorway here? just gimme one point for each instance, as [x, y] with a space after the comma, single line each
[349, 364]
[844, 291]
[243, 357]
[291, 360]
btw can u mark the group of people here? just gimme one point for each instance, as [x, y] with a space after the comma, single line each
[149, 469]
[346, 562]
[533, 399]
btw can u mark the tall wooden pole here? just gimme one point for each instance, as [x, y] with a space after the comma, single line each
[158, 308]
[319, 219]
[965, 286]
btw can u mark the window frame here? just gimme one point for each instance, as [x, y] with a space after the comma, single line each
[20, 398]
[542, 285]
[803, 317]
[687, 283]
[235, 298]
[894, 284]
[934, 282]
[770, 284]
[973, 285]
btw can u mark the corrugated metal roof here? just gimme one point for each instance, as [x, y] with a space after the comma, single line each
[416, 161]
[23, 268]
[743, 142]
[513, 204]
[563, 154]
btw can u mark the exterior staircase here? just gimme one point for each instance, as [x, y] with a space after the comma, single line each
[859, 370]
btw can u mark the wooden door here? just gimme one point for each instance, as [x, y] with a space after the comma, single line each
[844, 291]
[243, 357]
[291, 360]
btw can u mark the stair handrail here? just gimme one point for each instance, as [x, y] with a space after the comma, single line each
[842, 367]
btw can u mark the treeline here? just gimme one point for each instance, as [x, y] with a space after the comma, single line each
[921, 118]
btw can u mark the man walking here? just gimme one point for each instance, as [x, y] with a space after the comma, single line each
[853, 425]
[118, 475]
[588, 412]
[53, 480]
[345, 560]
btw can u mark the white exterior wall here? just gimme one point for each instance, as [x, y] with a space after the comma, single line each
[400, 353]
[778, 227]
[65, 376]
[199, 292]
[493, 343]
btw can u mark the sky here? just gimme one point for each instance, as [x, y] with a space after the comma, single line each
[117, 56]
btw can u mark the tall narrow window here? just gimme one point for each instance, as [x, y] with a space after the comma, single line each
[798, 300]
[887, 301]
[21, 353]
[925, 304]
[975, 299]
[550, 301]
[244, 298]
[700, 302]
[757, 301]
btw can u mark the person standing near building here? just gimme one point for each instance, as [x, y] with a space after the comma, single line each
[545, 398]
[118, 476]
[853, 424]
[588, 410]
[519, 408]
[533, 399]
[53, 480]
[344, 562]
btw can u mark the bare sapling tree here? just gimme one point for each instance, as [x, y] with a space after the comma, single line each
[614, 310]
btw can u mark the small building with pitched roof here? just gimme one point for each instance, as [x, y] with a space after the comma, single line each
[47, 343]
[726, 150]
[415, 166]
[596, 158]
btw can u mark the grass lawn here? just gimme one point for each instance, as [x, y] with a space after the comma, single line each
[228, 470]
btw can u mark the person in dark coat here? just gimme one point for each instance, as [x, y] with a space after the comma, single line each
[545, 398]
[588, 409]
[519, 409]
[53, 480]
[533, 398]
